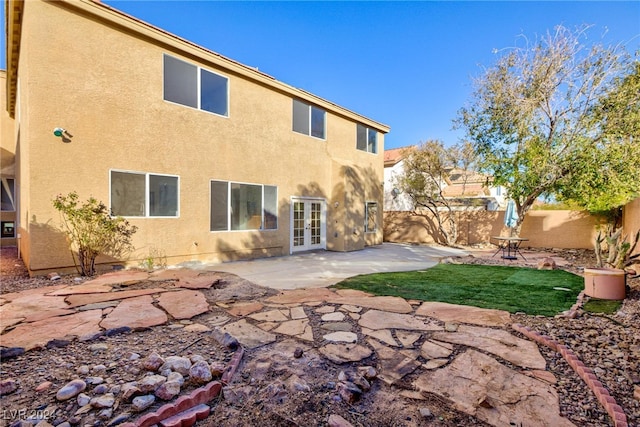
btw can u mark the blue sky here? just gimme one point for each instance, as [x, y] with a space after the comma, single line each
[406, 64]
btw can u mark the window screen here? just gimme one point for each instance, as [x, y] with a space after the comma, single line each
[213, 92]
[219, 205]
[180, 82]
[300, 117]
[127, 194]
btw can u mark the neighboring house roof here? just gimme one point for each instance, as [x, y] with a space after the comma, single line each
[466, 183]
[13, 14]
[393, 155]
[459, 182]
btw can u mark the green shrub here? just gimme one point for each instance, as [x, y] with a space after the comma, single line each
[92, 231]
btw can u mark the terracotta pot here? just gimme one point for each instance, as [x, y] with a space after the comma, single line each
[605, 283]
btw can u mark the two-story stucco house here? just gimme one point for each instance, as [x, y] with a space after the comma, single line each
[211, 159]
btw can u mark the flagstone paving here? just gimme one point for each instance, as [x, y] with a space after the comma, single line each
[481, 386]
[457, 352]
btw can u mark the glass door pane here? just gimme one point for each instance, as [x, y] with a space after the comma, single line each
[315, 226]
[298, 224]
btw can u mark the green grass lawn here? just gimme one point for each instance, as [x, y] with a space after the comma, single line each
[602, 306]
[514, 289]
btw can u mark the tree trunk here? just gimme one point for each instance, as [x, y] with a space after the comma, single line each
[87, 261]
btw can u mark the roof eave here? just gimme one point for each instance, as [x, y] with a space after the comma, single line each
[13, 21]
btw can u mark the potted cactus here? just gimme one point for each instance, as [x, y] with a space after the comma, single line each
[614, 253]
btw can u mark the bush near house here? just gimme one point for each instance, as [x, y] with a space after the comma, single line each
[92, 231]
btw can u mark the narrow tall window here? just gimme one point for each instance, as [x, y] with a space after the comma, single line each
[371, 217]
[366, 139]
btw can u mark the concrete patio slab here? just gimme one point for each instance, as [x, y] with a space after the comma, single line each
[324, 268]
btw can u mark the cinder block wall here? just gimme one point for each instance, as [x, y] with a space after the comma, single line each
[631, 220]
[544, 229]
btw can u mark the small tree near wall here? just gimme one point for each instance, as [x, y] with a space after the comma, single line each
[424, 179]
[92, 231]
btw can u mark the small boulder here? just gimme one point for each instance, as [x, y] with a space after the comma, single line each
[369, 372]
[355, 378]
[105, 414]
[425, 413]
[152, 362]
[176, 376]
[141, 403]
[71, 389]
[177, 364]
[8, 386]
[547, 263]
[130, 390]
[44, 386]
[200, 373]
[104, 401]
[217, 369]
[168, 390]
[83, 399]
[349, 392]
[151, 383]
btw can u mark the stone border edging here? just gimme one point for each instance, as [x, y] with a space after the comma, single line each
[188, 409]
[614, 410]
[572, 313]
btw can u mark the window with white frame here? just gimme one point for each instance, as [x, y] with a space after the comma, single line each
[366, 139]
[371, 217]
[308, 119]
[238, 206]
[190, 85]
[7, 194]
[143, 194]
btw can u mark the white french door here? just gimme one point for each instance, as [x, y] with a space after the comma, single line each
[308, 228]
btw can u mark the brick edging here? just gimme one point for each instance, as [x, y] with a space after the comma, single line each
[614, 410]
[188, 409]
[573, 312]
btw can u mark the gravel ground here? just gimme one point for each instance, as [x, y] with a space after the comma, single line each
[608, 344]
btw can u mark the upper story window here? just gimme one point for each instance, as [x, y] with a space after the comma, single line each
[366, 139]
[7, 191]
[187, 84]
[144, 194]
[308, 119]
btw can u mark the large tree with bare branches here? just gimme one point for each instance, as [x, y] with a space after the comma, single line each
[426, 169]
[531, 117]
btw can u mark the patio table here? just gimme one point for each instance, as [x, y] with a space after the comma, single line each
[510, 247]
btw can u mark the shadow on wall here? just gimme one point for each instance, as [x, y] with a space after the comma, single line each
[265, 243]
[544, 229]
[358, 186]
[478, 226]
[45, 248]
[409, 227]
[344, 218]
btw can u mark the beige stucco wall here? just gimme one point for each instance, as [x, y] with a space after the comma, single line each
[104, 85]
[544, 229]
[7, 151]
[631, 220]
